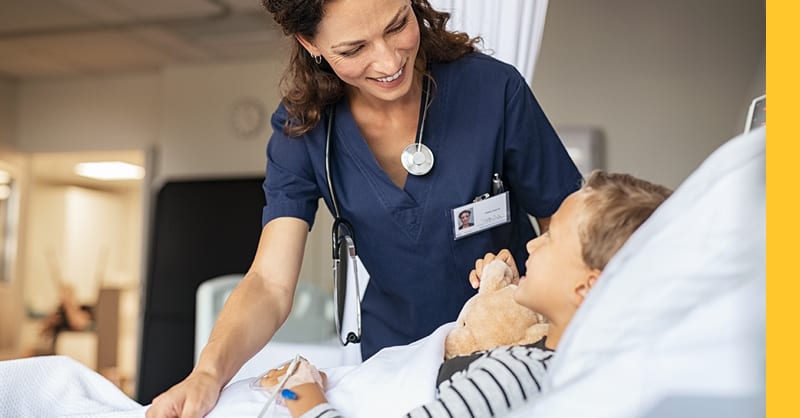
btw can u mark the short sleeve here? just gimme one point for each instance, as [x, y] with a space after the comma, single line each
[541, 171]
[289, 186]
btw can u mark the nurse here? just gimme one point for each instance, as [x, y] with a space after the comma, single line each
[412, 126]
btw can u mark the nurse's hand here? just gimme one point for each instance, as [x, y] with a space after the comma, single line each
[504, 255]
[192, 398]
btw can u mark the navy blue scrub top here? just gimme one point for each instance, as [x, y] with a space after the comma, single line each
[483, 119]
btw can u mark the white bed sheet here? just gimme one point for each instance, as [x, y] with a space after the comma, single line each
[390, 383]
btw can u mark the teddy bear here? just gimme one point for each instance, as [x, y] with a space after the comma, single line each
[492, 318]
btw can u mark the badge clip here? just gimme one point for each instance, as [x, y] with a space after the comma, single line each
[497, 185]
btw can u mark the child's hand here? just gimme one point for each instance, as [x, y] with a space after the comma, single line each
[504, 255]
[273, 377]
[304, 373]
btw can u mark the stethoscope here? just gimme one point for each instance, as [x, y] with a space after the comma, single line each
[417, 159]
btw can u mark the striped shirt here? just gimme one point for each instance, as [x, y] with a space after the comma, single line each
[498, 382]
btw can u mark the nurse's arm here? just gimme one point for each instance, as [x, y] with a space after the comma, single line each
[544, 224]
[260, 303]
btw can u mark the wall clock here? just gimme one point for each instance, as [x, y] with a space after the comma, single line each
[248, 117]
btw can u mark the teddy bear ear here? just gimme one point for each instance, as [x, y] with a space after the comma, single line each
[535, 333]
[496, 275]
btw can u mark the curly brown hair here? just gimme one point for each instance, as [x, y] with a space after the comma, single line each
[308, 88]
[615, 206]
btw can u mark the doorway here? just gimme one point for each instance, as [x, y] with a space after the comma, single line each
[85, 234]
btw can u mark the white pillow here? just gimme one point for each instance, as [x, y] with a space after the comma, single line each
[675, 325]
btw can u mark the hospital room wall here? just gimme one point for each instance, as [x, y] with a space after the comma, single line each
[181, 112]
[668, 82]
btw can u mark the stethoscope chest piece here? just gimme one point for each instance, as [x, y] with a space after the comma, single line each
[417, 159]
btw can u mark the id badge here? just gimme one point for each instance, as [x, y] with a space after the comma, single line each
[481, 215]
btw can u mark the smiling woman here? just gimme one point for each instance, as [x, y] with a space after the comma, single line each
[365, 80]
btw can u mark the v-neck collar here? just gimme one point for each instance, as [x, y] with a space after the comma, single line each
[406, 205]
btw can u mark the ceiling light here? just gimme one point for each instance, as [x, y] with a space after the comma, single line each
[110, 170]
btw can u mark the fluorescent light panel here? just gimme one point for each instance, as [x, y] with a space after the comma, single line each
[110, 170]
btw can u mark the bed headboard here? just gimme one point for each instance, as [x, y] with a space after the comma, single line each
[200, 229]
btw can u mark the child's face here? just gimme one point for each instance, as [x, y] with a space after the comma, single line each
[554, 264]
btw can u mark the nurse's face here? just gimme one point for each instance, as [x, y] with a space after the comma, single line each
[370, 44]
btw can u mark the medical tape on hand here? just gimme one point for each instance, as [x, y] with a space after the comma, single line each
[277, 391]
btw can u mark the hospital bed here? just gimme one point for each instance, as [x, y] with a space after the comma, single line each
[676, 326]
[308, 329]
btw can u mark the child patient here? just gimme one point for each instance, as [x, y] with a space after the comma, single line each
[563, 264]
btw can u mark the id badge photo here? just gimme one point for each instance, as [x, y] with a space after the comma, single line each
[481, 215]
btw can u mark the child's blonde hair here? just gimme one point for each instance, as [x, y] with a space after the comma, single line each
[614, 207]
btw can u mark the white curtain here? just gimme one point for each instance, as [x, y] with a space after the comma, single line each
[511, 29]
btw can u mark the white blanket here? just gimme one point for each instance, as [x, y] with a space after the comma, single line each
[390, 383]
[57, 386]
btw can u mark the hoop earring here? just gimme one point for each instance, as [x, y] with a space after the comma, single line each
[316, 58]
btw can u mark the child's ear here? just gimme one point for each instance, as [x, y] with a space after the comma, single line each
[583, 286]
